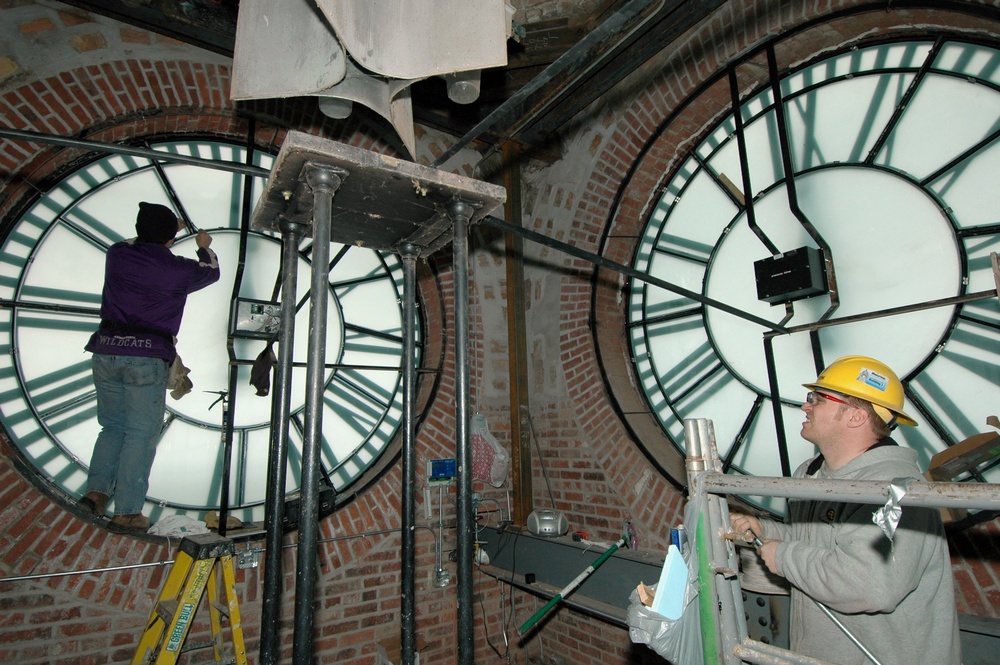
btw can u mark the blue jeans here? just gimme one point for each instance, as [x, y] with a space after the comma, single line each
[131, 400]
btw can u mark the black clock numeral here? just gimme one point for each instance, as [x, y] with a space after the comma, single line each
[71, 297]
[982, 313]
[970, 359]
[58, 390]
[295, 451]
[356, 401]
[666, 318]
[91, 229]
[697, 378]
[684, 249]
[368, 340]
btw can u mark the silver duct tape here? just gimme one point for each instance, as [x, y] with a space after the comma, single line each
[887, 517]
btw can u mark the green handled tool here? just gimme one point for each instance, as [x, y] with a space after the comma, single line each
[568, 589]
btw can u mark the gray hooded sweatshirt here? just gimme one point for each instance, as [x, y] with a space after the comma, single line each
[896, 597]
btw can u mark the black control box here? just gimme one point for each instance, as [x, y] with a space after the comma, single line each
[789, 276]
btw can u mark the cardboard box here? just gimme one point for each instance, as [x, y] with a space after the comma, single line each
[964, 456]
[390, 650]
[961, 458]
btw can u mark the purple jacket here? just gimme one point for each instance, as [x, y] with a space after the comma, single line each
[145, 289]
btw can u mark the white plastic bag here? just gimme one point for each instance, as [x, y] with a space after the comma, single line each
[678, 641]
[490, 462]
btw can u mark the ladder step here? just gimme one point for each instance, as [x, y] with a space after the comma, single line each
[223, 609]
[197, 646]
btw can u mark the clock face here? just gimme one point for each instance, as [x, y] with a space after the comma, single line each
[53, 272]
[895, 149]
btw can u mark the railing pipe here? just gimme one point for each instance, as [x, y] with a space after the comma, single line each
[979, 496]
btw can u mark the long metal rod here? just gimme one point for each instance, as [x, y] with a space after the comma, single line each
[892, 311]
[274, 514]
[167, 562]
[753, 651]
[324, 182]
[844, 629]
[982, 496]
[408, 586]
[114, 148]
[109, 569]
[599, 260]
[460, 213]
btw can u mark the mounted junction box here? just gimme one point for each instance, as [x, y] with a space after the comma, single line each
[789, 276]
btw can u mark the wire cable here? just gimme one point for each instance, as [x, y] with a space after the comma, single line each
[541, 461]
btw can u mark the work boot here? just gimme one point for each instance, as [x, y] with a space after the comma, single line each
[95, 502]
[134, 522]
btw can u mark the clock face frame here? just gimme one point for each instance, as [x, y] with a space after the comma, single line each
[893, 149]
[53, 270]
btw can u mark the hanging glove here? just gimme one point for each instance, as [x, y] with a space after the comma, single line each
[178, 382]
[260, 373]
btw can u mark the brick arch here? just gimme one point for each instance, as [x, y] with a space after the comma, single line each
[126, 101]
[684, 97]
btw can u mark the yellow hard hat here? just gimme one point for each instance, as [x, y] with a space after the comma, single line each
[867, 379]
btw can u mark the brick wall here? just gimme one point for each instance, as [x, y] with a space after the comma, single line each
[599, 476]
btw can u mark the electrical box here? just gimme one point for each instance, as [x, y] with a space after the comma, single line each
[441, 470]
[254, 319]
[790, 276]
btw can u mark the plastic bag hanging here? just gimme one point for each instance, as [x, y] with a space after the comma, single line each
[490, 461]
[679, 641]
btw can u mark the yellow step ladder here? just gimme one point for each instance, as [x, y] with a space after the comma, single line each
[193, 572]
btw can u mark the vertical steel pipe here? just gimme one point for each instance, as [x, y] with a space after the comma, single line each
[696, 433]
[324, 182]
[274, 511]
[460, 212]
[408, 587]
[723, 608]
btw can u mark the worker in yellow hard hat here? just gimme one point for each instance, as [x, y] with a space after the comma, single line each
[891, 590]
[868, 380]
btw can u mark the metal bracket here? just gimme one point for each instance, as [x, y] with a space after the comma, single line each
[247, 559]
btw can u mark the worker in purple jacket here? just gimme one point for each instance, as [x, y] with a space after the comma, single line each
[145, 289]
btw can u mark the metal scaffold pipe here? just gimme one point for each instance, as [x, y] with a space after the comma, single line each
[982, 496]
[324, 183]
[291, 234]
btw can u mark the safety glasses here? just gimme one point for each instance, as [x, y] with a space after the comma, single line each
[813, 398]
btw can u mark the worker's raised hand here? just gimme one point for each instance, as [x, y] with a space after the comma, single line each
[203, 239]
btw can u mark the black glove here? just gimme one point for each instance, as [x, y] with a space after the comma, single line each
[260, 373]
